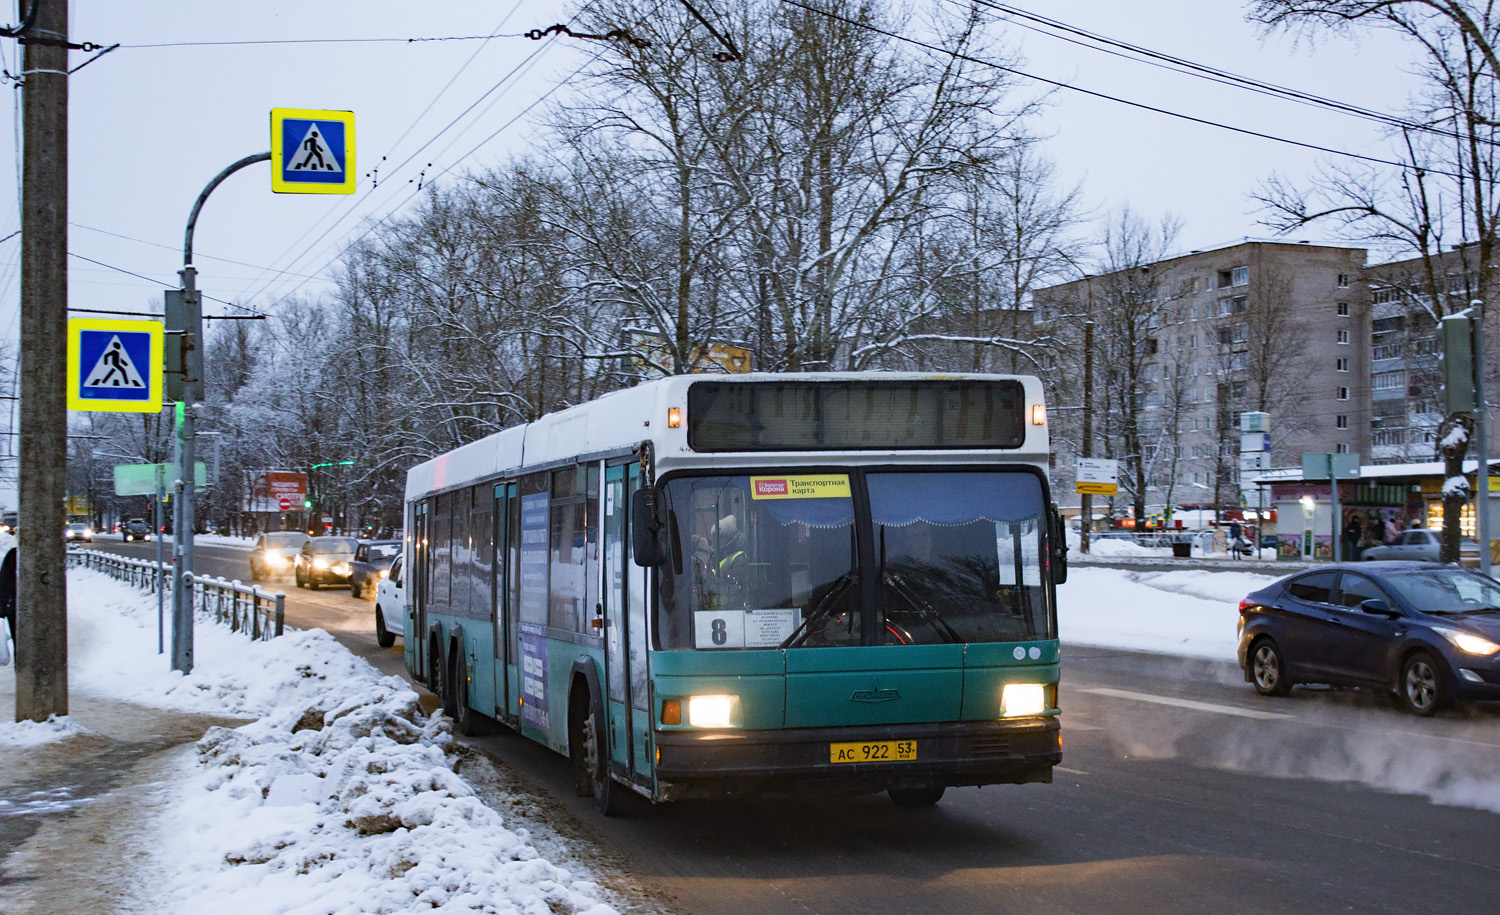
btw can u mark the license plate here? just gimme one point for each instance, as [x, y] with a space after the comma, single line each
[874, 751]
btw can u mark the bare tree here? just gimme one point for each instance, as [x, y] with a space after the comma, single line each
[1446, 191]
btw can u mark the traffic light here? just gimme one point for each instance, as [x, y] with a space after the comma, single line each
[1458, 364]
[307, 503]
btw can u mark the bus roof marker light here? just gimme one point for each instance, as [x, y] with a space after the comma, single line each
[674, 417]
[1038, 415]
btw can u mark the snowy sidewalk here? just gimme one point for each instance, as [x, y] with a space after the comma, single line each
[339, 797]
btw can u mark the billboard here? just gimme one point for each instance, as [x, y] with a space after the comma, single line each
[286, 484]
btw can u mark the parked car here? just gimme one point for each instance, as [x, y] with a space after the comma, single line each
[136, 529]
[1428, 633]
[324, 561]
[390, 604]
[77, 532]
[372, 562]
[274, 554]
[1422, 545]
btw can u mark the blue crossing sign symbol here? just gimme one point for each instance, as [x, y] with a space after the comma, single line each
[114, 366]
[312, 152]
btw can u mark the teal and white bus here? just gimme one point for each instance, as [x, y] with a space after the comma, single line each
[710, 586]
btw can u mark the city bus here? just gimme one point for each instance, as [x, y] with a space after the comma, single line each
[724, 586]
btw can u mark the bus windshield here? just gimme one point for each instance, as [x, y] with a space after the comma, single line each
[774, 561]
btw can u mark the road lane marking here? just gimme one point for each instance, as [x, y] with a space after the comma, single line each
[1066, 771]
[1185, 703]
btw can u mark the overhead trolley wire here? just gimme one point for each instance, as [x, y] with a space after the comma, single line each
[1061, 31]
[354, 204]
[1244, 131]
[520, 114]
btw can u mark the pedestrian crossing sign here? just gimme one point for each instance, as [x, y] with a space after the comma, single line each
[114, 366]
[312, 152]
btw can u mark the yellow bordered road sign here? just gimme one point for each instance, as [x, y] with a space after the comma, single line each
[114, 366]
[312, 151]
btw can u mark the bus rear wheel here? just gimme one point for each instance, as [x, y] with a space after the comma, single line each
[465, 719]
[916, 797]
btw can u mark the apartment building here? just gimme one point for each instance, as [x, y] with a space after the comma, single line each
[1182, 346]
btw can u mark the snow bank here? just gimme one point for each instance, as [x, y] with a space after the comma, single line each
[35, 733]
[341, 798]
[349, 806]
[1187, 613]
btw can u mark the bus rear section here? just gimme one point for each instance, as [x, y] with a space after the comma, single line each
[842, 630]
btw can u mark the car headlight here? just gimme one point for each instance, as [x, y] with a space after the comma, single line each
[385, 573]
[1018, 699]
[320, 563]
[711, 711]
[274, 560]
[1467, 642]
[342, 568]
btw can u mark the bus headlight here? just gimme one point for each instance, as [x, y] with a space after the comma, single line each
[711, 711]
[1018, 699]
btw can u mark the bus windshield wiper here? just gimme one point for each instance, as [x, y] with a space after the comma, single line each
[924, 611]
[821, 609]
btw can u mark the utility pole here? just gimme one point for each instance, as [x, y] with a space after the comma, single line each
[42, 599]
[1086, 503]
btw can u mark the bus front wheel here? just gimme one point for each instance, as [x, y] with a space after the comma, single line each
[591, 761]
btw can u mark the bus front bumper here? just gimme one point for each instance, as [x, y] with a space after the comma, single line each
[695, 764]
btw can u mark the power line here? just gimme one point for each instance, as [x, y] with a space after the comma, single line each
[297, 41]
[149, 279]
[455, 164]
[1140, 54]
[176, 248]
[522, 67]
[514, 74]
[1105, 96]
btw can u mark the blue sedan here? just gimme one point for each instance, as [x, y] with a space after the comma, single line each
[1429, 633]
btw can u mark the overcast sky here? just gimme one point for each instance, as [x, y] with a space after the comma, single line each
[150, 126]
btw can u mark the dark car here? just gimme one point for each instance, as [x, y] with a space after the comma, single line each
[1429, 633]
[136, 529]
[372, 562]
[275, 554]
[325, 561]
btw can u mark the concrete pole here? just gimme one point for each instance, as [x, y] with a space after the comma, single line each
[1086, 503]
[42, 600]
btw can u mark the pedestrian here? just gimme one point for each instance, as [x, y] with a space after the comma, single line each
[1234, 539]
[1351, 535]
[1392, 532]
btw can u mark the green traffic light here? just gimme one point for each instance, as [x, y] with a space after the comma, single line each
[307, 503]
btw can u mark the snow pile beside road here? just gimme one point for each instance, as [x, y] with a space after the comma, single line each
[1228, 587]
[36, 733]
[350, 806]
[112, 641]
[341, 799]
[1111, 608]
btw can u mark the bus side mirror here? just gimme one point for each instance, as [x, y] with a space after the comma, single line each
[646, 529]
[1057, 542]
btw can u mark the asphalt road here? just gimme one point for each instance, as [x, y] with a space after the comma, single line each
[1181, 791]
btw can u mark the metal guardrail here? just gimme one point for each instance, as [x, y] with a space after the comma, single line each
[259, 613]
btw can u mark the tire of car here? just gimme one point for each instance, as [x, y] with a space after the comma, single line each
[1421, 689]
[1268, 668]
[916, 797]
[383, 636]
[301, 579]
[354, 589]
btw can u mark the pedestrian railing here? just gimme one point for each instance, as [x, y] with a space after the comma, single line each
[250, 609]
[246, 608]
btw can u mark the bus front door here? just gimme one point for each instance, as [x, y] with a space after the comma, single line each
[413, 632]
[625, 635]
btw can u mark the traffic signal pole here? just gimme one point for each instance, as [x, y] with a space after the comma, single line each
[189, 393]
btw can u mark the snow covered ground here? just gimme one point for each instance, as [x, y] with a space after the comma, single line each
[340, 798]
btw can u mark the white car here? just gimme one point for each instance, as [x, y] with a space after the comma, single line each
[390, 604]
